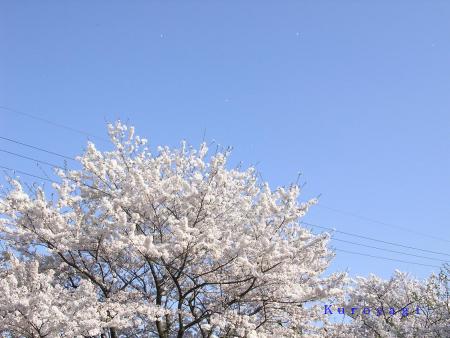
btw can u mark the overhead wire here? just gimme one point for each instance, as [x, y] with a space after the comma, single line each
[55, 124]
[385, 224]
[374, 239]
[30, 158]
[388, 250]
[38, 148]
[26, 174]
[386, 258]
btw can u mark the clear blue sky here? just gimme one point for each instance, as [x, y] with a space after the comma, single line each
[354, 94]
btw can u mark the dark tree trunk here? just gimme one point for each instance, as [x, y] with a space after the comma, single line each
[112, 333]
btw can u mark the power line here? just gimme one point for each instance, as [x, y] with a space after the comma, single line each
[52, 181]
[37, 148]
[385, 224]
[27, 174]
[386, 258]
[374, 239]
[30, 158]
[55, 124]
[388, 250]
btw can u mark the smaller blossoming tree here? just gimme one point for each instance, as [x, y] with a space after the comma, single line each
[399, 307]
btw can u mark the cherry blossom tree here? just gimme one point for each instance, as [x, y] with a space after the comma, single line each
[168, 244]
[399, 307]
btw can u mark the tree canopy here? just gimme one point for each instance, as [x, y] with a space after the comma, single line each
[176, 243]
